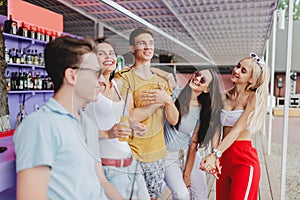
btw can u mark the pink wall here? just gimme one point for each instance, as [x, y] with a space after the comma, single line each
[31, 14]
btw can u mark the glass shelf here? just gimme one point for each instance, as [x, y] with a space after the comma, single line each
[21, 38]
[26, 66]
[33, 92]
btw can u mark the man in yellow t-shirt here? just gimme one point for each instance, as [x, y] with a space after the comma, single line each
[149, 101]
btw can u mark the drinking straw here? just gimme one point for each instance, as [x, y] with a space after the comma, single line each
[125, 102]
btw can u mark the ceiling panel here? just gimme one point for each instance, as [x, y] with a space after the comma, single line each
[216, 32]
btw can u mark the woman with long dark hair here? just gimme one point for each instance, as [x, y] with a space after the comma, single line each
[199, 105]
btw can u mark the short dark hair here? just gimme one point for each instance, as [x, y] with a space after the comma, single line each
[65, 52]
[137, 32]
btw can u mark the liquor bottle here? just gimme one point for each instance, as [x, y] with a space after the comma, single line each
[41, 59]
[34, 79]
[50, 35]
[10, 56]
[22, 56]
[38, 34]
[6, 55]
[18, 57]
[23, 30]
[42, 34]
[10, 26]
[12, 81]
[14, 28]
[44, 83]
[32, 56]
[49, 83]
[14, 55]
[29, 81]
[54, 35]
[35, 57]
[17, 81]
[39, 81]
[32, 30]
[21, 81]
[29, 57]
[25, 80]
[47, 36]
[7, 24]
[8, 81]
[29, 31]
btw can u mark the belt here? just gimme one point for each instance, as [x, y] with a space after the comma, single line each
[116, 163]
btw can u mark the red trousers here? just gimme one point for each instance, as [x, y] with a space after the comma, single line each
[240, 173]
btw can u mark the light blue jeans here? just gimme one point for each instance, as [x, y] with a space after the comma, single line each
[174, 178]
[122, 179]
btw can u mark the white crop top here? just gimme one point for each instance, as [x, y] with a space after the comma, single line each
[230, 117]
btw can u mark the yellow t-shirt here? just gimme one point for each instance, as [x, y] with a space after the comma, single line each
[151, 146]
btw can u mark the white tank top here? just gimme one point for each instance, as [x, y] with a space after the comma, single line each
[106, 113]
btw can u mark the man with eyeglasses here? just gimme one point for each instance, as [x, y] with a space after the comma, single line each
[149, 99]
[57, 146]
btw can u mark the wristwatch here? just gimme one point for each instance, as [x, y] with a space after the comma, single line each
[217, 153]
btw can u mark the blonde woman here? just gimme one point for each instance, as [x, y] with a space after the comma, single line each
[244, 109]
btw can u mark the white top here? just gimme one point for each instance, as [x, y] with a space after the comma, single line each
[230, 117]
[181, 138]
[106, 113]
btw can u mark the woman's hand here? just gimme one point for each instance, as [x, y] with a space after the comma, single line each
[119, 130]
[187, 179]
[139, 128]
[211, 165]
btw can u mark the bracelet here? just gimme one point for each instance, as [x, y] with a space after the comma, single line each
[169, 75]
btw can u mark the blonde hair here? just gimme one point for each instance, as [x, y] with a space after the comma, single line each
[261, 77]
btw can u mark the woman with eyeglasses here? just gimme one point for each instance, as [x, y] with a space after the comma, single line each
[120, 168]
[245, 106]
[199, 105]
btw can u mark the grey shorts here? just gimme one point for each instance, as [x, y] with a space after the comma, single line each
[154, 173]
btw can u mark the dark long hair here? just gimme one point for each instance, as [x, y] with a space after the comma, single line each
[210, 112]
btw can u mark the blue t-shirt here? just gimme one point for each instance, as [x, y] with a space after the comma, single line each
[53, 137]
[181, 138]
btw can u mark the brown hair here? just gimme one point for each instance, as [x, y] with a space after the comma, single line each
[65, 52]
[137, 32]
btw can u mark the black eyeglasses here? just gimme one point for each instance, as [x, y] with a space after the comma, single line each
[99, 70]
[202, 79]
[258, 60]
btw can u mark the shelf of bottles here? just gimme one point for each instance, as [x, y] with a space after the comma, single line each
[26, 71]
